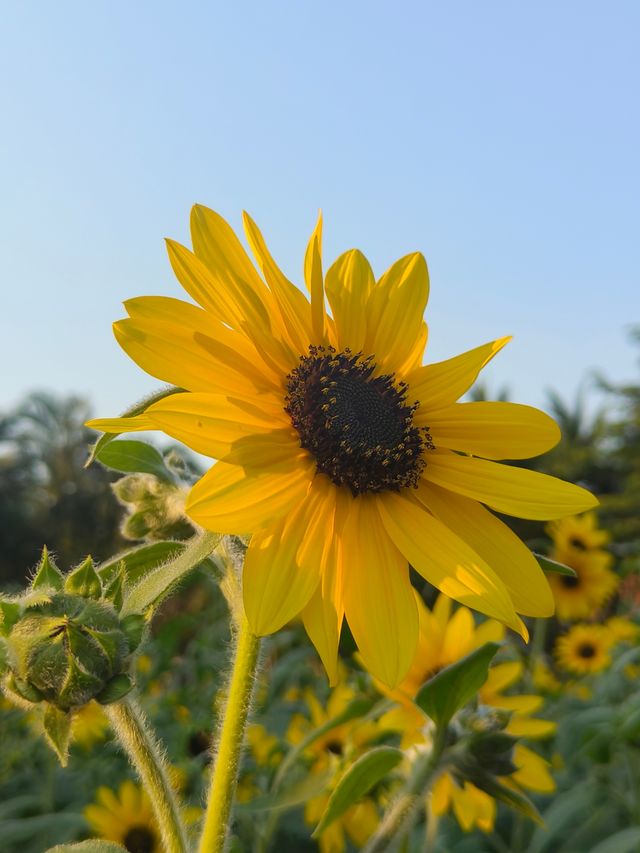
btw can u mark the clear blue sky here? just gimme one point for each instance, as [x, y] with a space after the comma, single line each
[499, 138]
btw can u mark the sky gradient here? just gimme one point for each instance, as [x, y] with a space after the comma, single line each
[500, 139]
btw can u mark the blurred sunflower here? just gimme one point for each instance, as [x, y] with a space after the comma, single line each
[125, 817]
[577, 533]
[584, 649]
[329, 755]
[581, 596]
[622, 630]
[342, 455]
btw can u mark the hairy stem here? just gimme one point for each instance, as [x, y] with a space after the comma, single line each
[231, 739]
[145, 754]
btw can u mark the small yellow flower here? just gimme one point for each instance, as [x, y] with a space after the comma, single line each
[584, 649]
[581, 596]
[126, 818]
[344, 457]
[264, 747]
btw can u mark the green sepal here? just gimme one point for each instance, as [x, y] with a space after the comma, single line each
[490, 752]
[456, 685]
[23, 691]
[47, 573]
[554, 567]
[114, 589]
[84, 581]
[9, 615]
[358, 780]
[57, 729]
[133, 627]
[116, 689]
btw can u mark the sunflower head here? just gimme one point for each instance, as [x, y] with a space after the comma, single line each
[585, 649]
[344, 457]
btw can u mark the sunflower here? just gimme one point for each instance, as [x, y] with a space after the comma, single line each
[581, 596]
[343, 457]
[577, 533]
[89, 725]
[125, 817]
[584, 649]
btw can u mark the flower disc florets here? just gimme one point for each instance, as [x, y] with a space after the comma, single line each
[358, 425]
[67, 650]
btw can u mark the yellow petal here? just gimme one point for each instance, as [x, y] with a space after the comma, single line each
[315, 285]
[324, 613]
[494, 430]
[533, 771]
[213, 424]
[441, 794]
[458, 638]
[514, 491]
[378, 598]
[295, 311]
[237, 306]
[138, 423]
[416, 353]
[441, 384]
[501, 676]
[173, 354]
[284, 563]
[530, 727]
[395, 312]
[444, 560]
[348, 284]
[230, 499]
[499, 546]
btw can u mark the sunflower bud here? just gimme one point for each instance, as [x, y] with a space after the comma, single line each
[67, 651]
[155, 508]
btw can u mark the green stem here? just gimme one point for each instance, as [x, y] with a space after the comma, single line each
[227, 761]
[143, 751]
[404, 811]
[156, 584]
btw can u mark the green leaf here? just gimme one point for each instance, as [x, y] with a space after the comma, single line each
[359, 779]
[456, 685]
[84, 580]
[554, 566]
[625, 841]
[93, 845]
[138, 561]
[27, 829]
[134, 456]
[114, 590]
[57, 728]
[47, 573]
[115, 690]
[137, 409]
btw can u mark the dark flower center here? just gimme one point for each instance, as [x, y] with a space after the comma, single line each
[140, 839]
[587, 650]
[334, 747]
[569, 581]
[577, 543]
[358, 426]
